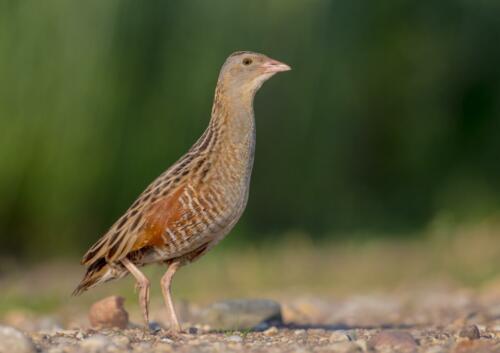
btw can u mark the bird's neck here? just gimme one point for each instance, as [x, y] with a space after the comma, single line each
[229, 141]
[233, 116]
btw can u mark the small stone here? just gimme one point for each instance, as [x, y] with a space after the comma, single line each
[476, 346]
[344, 347]
[95, 344]
[436, 349]
[471, 332]
[57, 349]
[234, 338]
[300, 332]
[48, 324]
[63, 341]
[163, 347]
[338, 336]
[363, 344]
[154, 326]
[108, 313]
[122, 341]
[14, 341]
[272, 331]
[393, 340]
[241, 314]
[261, 327]
[145, 347]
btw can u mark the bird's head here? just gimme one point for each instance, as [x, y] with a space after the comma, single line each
[245, 72]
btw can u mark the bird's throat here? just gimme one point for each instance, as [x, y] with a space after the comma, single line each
[233, 116]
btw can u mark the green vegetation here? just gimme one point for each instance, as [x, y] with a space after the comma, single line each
[390, 117]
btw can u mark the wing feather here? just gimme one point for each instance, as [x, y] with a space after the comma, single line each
[136, 230]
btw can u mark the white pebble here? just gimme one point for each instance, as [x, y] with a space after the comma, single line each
[338, 337]
[95, 344]
[235, 338]
[14, 341]
[299, 332]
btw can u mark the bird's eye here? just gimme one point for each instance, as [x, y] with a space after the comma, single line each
[247, 61]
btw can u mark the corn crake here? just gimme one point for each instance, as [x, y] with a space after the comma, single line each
[197, 201]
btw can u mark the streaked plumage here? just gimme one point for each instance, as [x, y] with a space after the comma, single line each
[196, 202]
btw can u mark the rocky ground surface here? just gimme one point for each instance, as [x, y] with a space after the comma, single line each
[430, 320]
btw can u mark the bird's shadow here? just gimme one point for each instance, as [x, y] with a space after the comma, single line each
[343, 327]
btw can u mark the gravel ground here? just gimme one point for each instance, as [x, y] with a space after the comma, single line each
[424, 320]
[272, 340]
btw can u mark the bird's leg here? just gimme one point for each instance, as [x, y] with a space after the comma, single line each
[142, 285]
[166, 282]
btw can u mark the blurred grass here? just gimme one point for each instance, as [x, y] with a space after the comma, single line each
[465, 256]
[390, 115]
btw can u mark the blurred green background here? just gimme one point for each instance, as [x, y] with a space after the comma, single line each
[389, 120]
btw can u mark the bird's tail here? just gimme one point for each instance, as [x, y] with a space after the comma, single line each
[97, 273]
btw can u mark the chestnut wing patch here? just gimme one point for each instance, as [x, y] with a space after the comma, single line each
[138, 229]
[161, 216]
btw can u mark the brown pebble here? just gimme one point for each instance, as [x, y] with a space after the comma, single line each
[395, 340]
[471, 332]
[468, 346]
[108, 312]
[272, 331]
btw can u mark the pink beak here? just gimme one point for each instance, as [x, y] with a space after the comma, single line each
[272, 66]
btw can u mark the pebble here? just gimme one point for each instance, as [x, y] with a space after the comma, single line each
[272, 331]
[344, 347]
[143, 347]
[300, 332]
[108, 313]
[14, 341]
[163, 348]
[338, 336]
[240, 314]
[122, 341]
[393, 340]
[436, 349]
[475, 346]
[363, 344]
[49, 324]
[234, 338]
[316, 331]
[95, 344]
[154, 326]
[63, 341]
[471, 332]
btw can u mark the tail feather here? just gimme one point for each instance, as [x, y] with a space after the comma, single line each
[97, 273]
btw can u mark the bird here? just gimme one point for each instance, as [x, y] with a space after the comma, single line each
[196, 202]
